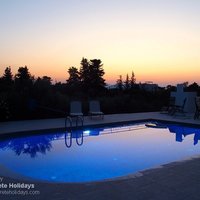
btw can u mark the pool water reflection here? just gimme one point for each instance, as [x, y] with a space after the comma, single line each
[97, 154]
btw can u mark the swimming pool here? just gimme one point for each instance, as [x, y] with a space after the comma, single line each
[99, 153]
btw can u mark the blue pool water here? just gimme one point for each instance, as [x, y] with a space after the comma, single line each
[98, 154]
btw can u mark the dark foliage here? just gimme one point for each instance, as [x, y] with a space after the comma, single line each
[120, 83]
[24, 97]
[91, 76]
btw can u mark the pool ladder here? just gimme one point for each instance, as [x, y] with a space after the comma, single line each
[69, 119]
[68, 131]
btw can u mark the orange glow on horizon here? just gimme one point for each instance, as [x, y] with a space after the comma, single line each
[159, 41]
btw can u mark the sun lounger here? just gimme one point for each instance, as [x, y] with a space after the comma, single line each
[94, 109]
[76, 109]
[167, 109]
[178, 109]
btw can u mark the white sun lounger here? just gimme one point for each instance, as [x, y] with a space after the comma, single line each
[94, 109]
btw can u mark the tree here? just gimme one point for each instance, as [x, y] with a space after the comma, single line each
[120, 83]
[6, 81]
[85, 73]
[96, 73]
[185, 84]
[193, 87]
[127, 83]
[133, 80]
[74, 77]
[23, 76]
[47, 80]
[171, 88]
[23, 79]
[43, 83]
[7, 77]
[42, 89]
[91, 75]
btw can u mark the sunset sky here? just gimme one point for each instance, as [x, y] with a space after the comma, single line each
[157, 39]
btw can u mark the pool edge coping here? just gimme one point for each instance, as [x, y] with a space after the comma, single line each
[50, 130]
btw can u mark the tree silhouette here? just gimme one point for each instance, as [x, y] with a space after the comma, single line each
[42, 85]
[193, 87]
[127, 83]
[6, 92]
[7, 77]
[85, 73]
[29, 98]
[23, 79]
[74, 77]
[120, 83]
[133, 80]
[97, 81]
[91, 75]
[6, 81]
[47, 80]
[23, 74]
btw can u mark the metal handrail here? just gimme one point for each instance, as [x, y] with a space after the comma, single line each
[70, 139]
[79, 140]
[79, 143]
[79, 118]
[68, 119]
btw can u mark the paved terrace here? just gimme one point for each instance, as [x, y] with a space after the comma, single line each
[178, 180]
